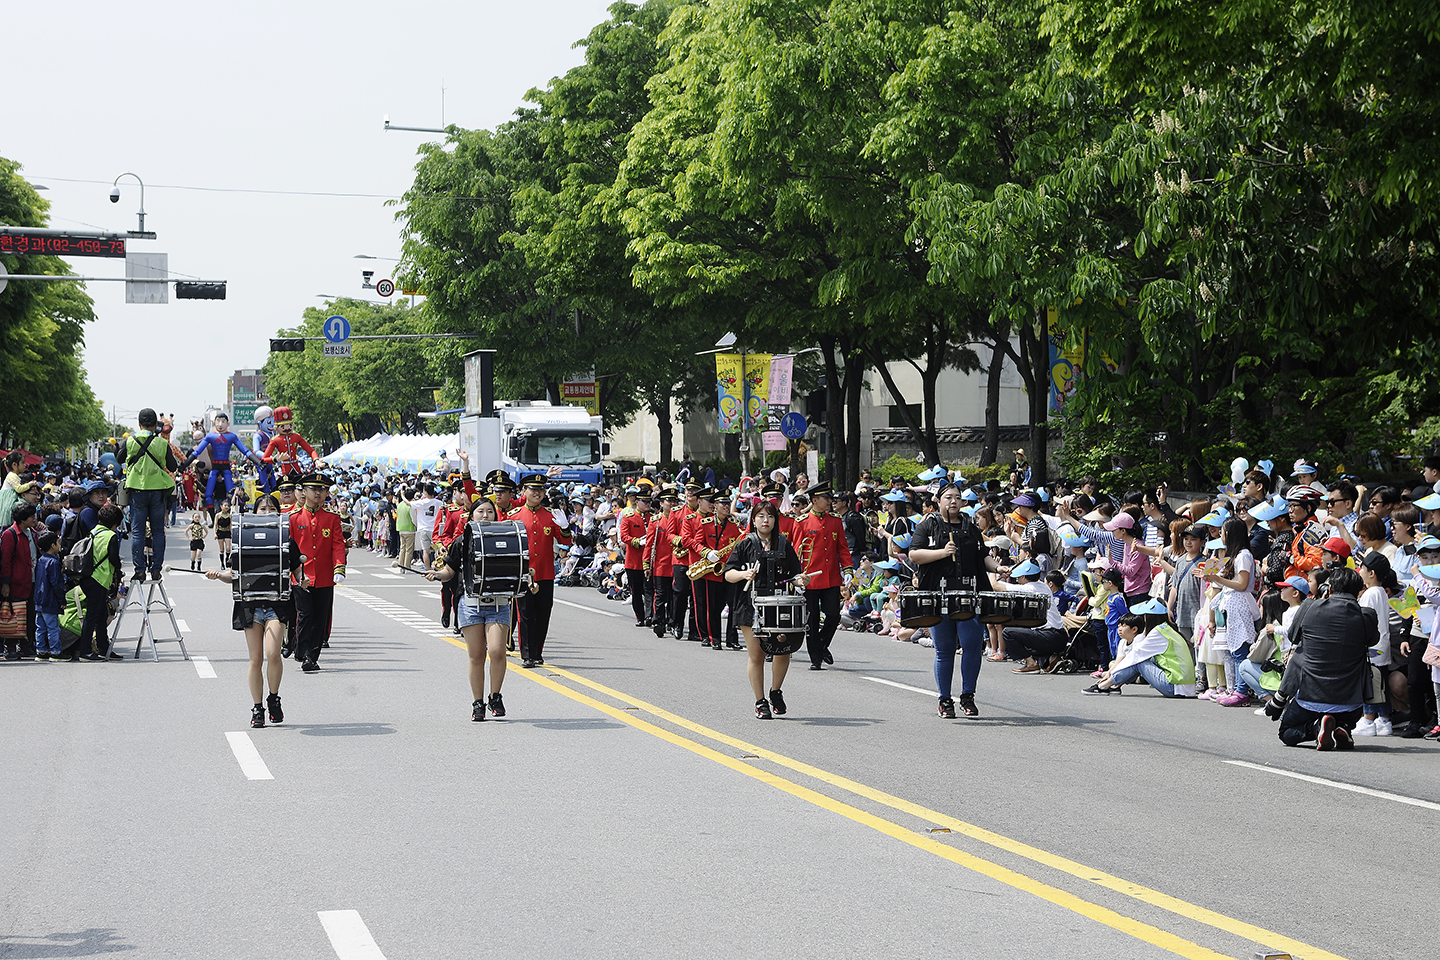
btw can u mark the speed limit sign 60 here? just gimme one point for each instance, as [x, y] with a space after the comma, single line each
[385, 287]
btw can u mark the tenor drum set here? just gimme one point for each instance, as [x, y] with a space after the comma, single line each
[925, 608]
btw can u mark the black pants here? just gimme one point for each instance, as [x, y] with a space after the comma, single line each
[732, 596]
[314, 607]
[1024, 643]
[661, 609]
[636, 581]
[535, 620]
[709, 602]
[1422, 694]
[93, 636]
[1298, 725]
[680, 601]
[817, 634]
[450, 599]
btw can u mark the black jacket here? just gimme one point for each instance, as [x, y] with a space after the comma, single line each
[1332, 664]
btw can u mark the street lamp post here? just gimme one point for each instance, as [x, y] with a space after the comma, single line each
[115, 198]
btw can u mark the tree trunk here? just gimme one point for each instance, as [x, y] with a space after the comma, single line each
[659, 405]
[992, 395]
[928, 447]
[552, 391]
[1033, 358]
[854, 382]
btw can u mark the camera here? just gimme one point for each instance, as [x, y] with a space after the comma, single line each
[115, 195]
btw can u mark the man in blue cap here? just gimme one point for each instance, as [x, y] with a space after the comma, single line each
[1039, 647]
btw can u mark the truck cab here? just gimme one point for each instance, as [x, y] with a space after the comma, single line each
[563, 442]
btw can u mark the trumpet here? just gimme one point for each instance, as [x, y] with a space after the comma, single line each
[703, 567]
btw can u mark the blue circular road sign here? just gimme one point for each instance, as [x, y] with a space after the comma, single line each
[792, 426]
[336, 329]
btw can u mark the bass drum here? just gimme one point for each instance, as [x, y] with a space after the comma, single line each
[496, 559]
[261, 565]
[921, 608]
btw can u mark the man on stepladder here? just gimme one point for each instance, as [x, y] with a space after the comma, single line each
[316, 531]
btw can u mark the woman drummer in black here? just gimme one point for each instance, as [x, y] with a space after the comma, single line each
[764, 561]
[263, 622]
[947, 549]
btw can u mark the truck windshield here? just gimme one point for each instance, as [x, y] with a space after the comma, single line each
[562, 449]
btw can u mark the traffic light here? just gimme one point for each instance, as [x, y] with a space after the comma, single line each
[199, 290]
[286, 344]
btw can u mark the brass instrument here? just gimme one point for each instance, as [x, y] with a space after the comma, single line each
[703, 567]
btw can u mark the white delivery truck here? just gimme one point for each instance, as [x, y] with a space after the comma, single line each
[533, 436]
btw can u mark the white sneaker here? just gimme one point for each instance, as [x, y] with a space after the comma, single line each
[1383, 727]
[1365, 728]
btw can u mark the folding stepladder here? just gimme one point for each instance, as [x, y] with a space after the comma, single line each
[147, 608]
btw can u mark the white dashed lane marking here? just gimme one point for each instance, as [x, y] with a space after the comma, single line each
[349, 936]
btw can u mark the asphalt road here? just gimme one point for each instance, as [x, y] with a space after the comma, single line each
[631, 806]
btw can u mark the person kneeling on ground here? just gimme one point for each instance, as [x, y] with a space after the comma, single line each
[1150, 649]
[1323, 689]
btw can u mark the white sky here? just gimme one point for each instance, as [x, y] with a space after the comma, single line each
[263, 96]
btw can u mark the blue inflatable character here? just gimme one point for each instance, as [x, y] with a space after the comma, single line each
[264, 431]
[219, 441]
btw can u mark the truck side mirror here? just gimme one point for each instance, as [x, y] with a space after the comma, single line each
[605, 448]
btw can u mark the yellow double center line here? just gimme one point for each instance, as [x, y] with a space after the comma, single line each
[1135, 928]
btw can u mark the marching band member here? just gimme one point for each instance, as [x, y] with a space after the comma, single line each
[486, 629]
[682, 593]
[763, 562]
[661, 558]
[545, 529]
[264, 624]
[633, 529]
[318, 534]
[820, 542]
[502, 492]
[946, 546]
[707, 534]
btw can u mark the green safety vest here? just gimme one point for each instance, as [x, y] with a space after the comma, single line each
[73, 619]
[145, 465]
[103, 572]
[1176, 661]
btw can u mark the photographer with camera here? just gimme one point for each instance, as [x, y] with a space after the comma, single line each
[150, 467]
[1322, 691]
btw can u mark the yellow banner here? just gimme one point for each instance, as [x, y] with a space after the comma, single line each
[731, 392]
[757, 389]
[582, 394]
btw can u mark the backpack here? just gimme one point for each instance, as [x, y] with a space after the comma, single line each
[79, 561]
[69, 533]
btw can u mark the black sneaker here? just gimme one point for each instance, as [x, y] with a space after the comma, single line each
[762, 710]
[477, 711]
[777, 701]
[1095, 690]
[1343, 740]
[527, 664]
[257, 716]
[734, 644]
[156, 574]
[947, 708]
[273, 703]
[445, 619]
[1325, 737]
[827, 657]
[967, 705]
[139, 576]
[817, 666]
[310, 666]
[497, 704]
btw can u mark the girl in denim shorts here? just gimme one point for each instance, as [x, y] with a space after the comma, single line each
[486, 628]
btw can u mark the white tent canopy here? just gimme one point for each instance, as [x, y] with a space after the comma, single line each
[404, 453]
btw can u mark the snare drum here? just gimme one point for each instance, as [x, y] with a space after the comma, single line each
[779, 624]
[261, 568]
[961, 605]
[496, 559]
[1030, 610]
[995, 607]
[921, 608]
